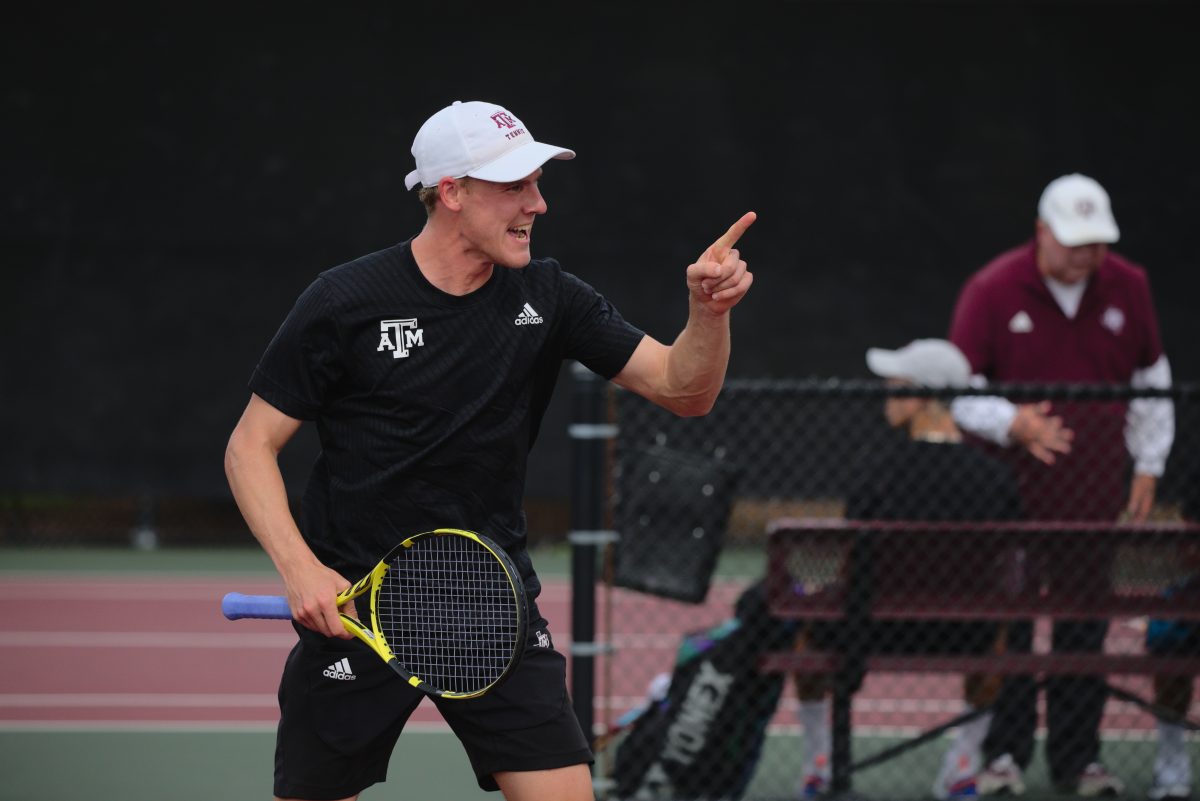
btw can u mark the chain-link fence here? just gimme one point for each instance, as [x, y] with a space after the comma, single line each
[686, 704]
[698, 690]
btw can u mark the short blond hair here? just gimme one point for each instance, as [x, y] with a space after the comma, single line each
[428, 195]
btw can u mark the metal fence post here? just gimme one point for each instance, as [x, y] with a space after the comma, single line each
[589, 432]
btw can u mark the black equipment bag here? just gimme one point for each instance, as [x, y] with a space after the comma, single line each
[703, 740]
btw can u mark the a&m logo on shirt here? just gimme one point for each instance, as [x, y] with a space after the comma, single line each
[400, 335]
[1113, 319]
[1021, 323]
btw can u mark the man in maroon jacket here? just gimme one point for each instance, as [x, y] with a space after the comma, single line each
[1065, 309]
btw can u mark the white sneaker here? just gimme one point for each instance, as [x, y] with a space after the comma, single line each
[1172, 774]
[1169, 792]
[1002, 776]
[1096, 780]
[957, 778]
[814, 786]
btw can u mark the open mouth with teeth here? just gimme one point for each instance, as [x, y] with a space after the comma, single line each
[521, 232]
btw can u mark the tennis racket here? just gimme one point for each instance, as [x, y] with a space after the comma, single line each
[448, 612]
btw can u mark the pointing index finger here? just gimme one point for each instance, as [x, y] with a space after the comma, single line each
[722, 246]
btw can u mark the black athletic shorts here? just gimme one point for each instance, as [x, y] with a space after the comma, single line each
[342, 710]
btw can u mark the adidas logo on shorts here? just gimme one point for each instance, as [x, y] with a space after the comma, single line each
[340, 670]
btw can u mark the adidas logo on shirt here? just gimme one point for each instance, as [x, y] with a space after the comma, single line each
[528, 316]
[340, 670]
[1021, 323]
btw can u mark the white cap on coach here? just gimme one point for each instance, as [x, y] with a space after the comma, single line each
[478, 139]
[933, 363]
[1078, 211]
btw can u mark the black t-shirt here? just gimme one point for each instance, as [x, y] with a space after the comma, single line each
[932, 481]
[427, 404]
[908, 480]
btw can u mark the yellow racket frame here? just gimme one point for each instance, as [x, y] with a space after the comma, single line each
[373, 636]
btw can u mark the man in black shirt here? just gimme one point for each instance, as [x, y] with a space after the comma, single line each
[426, 368]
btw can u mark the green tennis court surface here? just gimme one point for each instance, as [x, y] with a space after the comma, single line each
[426, 766]
[202, 766]
[550, 560]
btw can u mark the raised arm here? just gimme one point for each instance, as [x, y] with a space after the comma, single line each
[686, 376]
[252, 467]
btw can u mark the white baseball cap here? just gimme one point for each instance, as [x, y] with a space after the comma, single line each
[933, 363]
[1078, 211]
[478, 139]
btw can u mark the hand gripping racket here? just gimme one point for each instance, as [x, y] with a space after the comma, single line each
[448, 612]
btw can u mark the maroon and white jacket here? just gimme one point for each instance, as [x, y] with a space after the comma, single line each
[1014, 325]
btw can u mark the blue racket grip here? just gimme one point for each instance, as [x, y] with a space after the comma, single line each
[235, 606]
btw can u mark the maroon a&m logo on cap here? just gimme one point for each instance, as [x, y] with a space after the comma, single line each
[1085, 207]
[504, 120]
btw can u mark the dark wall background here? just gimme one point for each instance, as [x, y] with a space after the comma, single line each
[173, 179]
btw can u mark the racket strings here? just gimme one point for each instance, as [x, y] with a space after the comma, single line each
[449, 613]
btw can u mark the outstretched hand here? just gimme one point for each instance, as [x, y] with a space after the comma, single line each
[1042, 434]
[719, 278]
